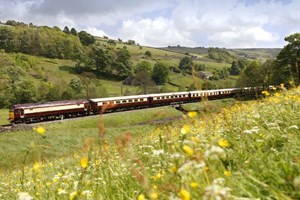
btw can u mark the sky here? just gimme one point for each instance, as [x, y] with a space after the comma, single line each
[160, 23]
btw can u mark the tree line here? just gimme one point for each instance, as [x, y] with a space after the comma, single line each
[284, 69]
[43, 41]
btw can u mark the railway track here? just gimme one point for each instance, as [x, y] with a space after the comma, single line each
[6, 128]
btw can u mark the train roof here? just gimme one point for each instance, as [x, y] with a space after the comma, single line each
[48, 104]
[167, 94]
[225, 89]
[119, 98]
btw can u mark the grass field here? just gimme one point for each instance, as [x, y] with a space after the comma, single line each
[4, 116]
[68, 136]
[246, 151]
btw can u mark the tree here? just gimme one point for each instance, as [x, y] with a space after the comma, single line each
[186, 64]
[143, 79]
[112, 42]
[76, 85]
[287, 64]
[267, 71]
[86, 38]
[160, 73]
[87, 83]
[143, 66]
[234, 69]
[66, 30]
[121, 63]
[101, 60]
[252, 76]
[6, 37]
[148, 53]
[131, 42]
[73, 31]
[25, 92]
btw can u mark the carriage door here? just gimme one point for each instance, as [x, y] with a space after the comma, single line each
[21, 113]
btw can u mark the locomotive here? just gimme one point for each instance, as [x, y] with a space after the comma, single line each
[36, 112]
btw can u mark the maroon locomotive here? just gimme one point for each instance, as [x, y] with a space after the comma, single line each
[32, 112]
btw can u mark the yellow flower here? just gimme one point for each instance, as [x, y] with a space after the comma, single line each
[223, 143]
[227, 173]
[188, 150]
[192, 114]
[194, 184]
[184, 194]
[153, 195]
[73, 195]
[195, 139]
[141, 197]
[185, 129]
[158, 176]
[36, 166]
[282, 85]
[266, 93]
[40, 130]
[174, 169]
[84, 162]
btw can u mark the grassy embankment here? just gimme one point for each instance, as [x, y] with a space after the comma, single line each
[4, 116]
[249, 150]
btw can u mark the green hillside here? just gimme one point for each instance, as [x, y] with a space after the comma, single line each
[253, 53]
[40, 63]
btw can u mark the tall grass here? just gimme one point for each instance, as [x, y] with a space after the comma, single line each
[248, 151]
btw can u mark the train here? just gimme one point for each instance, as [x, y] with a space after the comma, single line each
[54, 110]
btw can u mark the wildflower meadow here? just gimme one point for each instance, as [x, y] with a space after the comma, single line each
[248, 151]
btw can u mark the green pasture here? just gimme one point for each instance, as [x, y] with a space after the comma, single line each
[4, 116]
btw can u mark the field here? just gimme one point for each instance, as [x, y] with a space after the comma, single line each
[249, 150]
[68, 136]
[4, 116]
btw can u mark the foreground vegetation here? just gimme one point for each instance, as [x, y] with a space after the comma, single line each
[250, 150]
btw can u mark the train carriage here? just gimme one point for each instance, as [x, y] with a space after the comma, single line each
[46, 111]
[101, 105]
[169, 98]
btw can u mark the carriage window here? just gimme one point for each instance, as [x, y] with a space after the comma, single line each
[118, 101]
[130, 100]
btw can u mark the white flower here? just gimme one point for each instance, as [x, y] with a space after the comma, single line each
[62, 192]
[24, 196]
[217, 190]
[214, 151]
[158, 152]
[255, 129]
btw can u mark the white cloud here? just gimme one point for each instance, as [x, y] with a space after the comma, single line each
[230, 23]
[95, 31]
[157, 32]
[250, 37]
